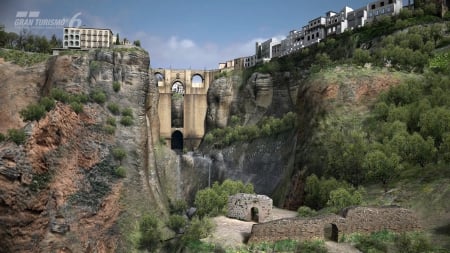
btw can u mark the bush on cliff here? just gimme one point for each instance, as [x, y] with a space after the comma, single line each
[150, 233]
[18, 136]
[212, 201]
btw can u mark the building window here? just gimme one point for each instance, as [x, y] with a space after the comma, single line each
[382, 4]
[373, 7]
[317, 34]
[382, 11]
[391, 1]
[376, 13]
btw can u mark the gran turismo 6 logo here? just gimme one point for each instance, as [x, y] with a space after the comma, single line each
[31, 19]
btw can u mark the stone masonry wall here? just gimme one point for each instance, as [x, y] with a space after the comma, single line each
[355, 219]
[240, 207]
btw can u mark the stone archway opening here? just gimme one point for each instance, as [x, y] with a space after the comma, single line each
[255, 214]
[177, 104]
[176, 141]
[159, 79]
[197, 81]
[331, 232]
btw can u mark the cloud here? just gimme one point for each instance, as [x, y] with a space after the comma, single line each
[183, 53]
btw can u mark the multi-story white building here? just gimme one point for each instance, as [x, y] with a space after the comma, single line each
[314, 31]
[337, 23]
[357, 18]
[383, 8]
[293, 42]
[266, 50]
[249, 61]
[85, 38]
[321, 27]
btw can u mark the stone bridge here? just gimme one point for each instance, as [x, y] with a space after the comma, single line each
[182, 105]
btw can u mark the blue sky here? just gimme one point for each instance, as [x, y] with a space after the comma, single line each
[193, 34]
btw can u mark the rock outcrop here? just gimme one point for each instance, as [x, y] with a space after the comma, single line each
[60, 191]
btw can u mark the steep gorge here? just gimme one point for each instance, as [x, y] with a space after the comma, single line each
[59, 192]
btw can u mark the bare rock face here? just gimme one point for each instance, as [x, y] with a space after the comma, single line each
[18, 87]
[59, 192]
[220, 96]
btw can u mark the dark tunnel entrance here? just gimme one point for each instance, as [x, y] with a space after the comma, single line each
[177, 140]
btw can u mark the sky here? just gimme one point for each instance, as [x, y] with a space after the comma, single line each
[180, 34]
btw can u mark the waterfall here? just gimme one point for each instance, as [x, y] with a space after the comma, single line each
[178, 182]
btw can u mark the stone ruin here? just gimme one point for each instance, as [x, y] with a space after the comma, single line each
[250, 207]
[332, 226]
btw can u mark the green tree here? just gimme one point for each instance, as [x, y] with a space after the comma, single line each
[150, 233]
[341, 198]
[435, 123]
[176, 222]
[381, 167]
[198, 229]
[117, 39]
[137, 43]
[212, 201]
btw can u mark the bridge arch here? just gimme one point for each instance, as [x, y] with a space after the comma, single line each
[159, 79]
[177, 104]
[197, 80]
[178, 87]
[176, 141]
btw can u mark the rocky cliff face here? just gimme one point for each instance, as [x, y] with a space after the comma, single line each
[60, 192]
[264, 162]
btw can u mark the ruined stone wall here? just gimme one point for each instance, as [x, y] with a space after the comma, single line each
[292, 228]
[371, 219]
[355, 219]
[240, 207]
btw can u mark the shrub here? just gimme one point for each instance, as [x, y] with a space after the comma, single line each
[126, 121]
[32, 112]
[60, 95]
[341, 198]
[116, 86]
[94, 66]
[176, 222]
[111, 121]
[119, 153]
[305, 211]
[18, 136]
[120, 172]
[113, 108]
[2, 137]
[311, 247]
[150, 233]
[127, 112]
[178, 207]
[412, 243]
[198, 229]
[98, 96]
[47, 103]
[109, 129]
[80, 98]
[76, 107]
[212, 201]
